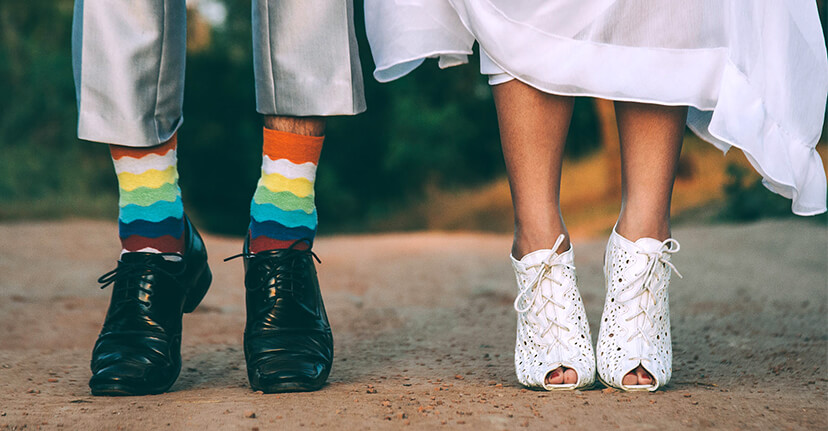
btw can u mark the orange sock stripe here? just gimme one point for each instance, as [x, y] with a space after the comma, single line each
[119, 151]
[296, 148]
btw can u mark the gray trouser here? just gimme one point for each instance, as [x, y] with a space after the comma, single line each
[129, 55]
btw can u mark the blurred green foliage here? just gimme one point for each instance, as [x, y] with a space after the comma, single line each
[434, 128]
[40, 160]
[747, 199]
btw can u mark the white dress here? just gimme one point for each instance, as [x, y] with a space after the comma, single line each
[753, 72]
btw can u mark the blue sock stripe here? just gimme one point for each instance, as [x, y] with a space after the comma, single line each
[169, 226]
[296, 218]
[155, 213]
[275, 230]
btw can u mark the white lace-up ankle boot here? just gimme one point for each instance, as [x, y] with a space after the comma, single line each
[635, 324]
[552, 328]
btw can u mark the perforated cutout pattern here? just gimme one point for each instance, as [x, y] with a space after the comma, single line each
[552, 328]
[635, 324]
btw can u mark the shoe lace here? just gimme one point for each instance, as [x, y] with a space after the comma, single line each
[531, 294]
[284, 276]
[646, 284]
[129, 270]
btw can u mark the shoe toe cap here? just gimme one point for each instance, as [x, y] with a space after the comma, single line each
[131, 379]
[280, 374]
[119, 374]
[280, 364]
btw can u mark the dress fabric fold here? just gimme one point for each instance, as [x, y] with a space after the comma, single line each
[754, 73]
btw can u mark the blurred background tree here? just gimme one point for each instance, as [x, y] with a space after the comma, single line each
[44, 171]
[433, 133]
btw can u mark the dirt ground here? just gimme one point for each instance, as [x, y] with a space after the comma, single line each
[424, 332]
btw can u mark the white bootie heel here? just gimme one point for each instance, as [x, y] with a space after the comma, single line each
[635, 324]
[552, 328]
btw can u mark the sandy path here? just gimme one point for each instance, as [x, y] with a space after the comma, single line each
[424, 335]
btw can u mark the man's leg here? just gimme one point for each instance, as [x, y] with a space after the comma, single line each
[128, 58]
[306, 67]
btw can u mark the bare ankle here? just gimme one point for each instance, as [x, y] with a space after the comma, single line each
[526, 242]
[634, 228]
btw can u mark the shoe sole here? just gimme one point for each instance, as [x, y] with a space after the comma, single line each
[559, 389]
[289, 387]
[562, 388]
[636, 388]
[121, 390]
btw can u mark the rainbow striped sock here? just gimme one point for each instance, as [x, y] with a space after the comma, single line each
[283, 210]
[151, 216]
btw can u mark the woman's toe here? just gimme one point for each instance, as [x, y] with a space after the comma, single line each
[570, 376]
[644, 377]
[555, 377]
[630, 379]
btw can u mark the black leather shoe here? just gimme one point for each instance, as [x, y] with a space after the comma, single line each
[139, 349]
[287, 340]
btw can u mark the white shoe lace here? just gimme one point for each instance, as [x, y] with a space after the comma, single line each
[530, 293]
[668, 247]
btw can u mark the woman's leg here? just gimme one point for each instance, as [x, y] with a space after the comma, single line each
[533, 128]
[651, 137]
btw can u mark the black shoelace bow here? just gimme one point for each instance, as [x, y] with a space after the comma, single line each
[128, 270]
[146, 265]
[284, 277]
